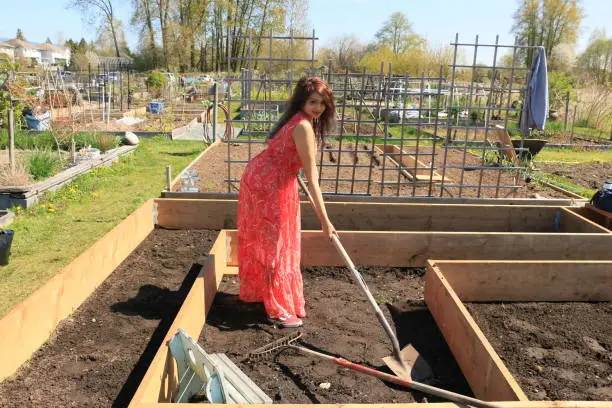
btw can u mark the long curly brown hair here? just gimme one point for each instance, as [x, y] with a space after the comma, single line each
[303, 89]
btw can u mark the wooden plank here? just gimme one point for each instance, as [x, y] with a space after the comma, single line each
[489, 379]
[160, 383]
[557, 202]
[219, 214]
[28, 325]
[504, 404]
[395, 155]
[576, 223]
[414, 248]
[526, 281]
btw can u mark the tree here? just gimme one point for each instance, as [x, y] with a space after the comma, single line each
[144, 15]
[20, 35]
[344, 52]
[597, 57]
[91, 8]
[398, 35]
[48, 41]
[548, 23]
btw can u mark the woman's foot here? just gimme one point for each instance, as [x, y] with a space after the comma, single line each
[286, 322]
[301, 315]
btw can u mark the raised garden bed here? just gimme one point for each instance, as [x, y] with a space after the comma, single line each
[556, 351]
[27, 195]
[340, 322]
[98, 356]
[453, 232]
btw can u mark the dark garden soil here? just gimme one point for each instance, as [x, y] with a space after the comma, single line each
[212, 170]
[556, 351]
[98, 356]
[340, 322]
[589, 175]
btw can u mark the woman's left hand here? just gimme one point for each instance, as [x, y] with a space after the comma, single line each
[329, 230]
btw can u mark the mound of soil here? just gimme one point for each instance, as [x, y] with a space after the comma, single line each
[340, 322]
[98, 356]
[556, 351]
[589, 175]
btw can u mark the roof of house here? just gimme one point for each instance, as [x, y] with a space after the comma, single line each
[4, 44]
[17, 43]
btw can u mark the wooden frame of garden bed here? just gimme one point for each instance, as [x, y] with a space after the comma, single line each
[449, 283]
[30, 323]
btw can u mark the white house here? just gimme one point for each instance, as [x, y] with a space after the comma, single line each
[7, 49]
[46, 54]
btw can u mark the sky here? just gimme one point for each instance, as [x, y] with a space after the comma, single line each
[436, 20]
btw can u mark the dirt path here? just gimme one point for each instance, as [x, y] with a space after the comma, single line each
[589, 175]
[213, 172]
[98, 356]
[341, 322]
[556, 351]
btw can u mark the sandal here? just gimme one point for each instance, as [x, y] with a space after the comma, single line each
[286, 322]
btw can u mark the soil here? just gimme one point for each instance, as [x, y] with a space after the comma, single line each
[340, 322]
[589, 175]
[213, 173]
[556, 351]
[98, 356]
[153, 123]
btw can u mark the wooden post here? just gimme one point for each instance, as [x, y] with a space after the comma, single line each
[567, 101]
[573, 124]
[214, 114]
[11, 136]
[168, 178]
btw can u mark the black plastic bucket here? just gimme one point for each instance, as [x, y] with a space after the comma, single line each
[6, 239]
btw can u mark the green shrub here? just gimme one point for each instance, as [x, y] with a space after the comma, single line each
[42, 164]
[156, 81]
[106, 142]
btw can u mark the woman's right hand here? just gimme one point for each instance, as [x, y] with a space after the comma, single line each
[329, 230]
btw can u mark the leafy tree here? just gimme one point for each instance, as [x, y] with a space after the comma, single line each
[548, 23]
[597, 57]
[48, 41]
[559, 84]
[344, 52]
[397, 33]
[104, 9]
[20, 35]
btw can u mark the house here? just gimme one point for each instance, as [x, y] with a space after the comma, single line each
[8, 50]
[44, 54]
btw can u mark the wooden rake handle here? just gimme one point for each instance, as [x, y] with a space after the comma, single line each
[359, 279]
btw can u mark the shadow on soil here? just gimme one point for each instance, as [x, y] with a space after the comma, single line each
[244, 315]
[415, 325]
[152, 302]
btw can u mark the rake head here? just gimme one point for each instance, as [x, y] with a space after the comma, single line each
[268, 349]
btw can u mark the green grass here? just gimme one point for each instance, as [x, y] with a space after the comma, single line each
[49, 235]
[564, 183]
[569, 155]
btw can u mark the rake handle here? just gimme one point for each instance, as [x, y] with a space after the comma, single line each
[359, 279]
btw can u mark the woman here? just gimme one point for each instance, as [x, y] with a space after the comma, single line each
[269, 207]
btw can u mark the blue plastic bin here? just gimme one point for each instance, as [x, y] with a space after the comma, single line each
[156, 107]
[38, 124]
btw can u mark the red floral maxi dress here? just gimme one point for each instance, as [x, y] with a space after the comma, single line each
[269, 227]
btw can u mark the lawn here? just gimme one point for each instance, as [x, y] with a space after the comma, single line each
[570, 155]
[65, 223]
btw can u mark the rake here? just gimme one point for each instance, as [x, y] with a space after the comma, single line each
[406, 362]
[290, 342]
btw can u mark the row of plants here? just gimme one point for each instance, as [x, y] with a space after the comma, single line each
[25, 140]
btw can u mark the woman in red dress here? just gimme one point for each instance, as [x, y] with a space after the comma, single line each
[269, 206]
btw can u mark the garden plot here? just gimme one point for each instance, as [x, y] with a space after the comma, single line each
[340, 322]
[590, 175]
[213, 170]
[455, 232]
[540, 350]
[98, 355]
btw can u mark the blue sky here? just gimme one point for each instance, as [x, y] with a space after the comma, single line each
[437, 20]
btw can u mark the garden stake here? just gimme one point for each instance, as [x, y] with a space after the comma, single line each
[407, 362]
[289, 342]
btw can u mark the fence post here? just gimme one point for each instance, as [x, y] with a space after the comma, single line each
[11, 136]
[214, 113]
[573, 124]
[567, 101]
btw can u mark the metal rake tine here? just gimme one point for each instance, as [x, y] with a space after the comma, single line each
[283, 342]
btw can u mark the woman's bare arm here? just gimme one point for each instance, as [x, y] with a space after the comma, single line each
[304, 138]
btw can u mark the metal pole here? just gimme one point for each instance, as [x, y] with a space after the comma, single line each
[168, 178]
[214, 119]
[11, 136]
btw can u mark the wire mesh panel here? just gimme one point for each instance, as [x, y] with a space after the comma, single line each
[397, 135]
